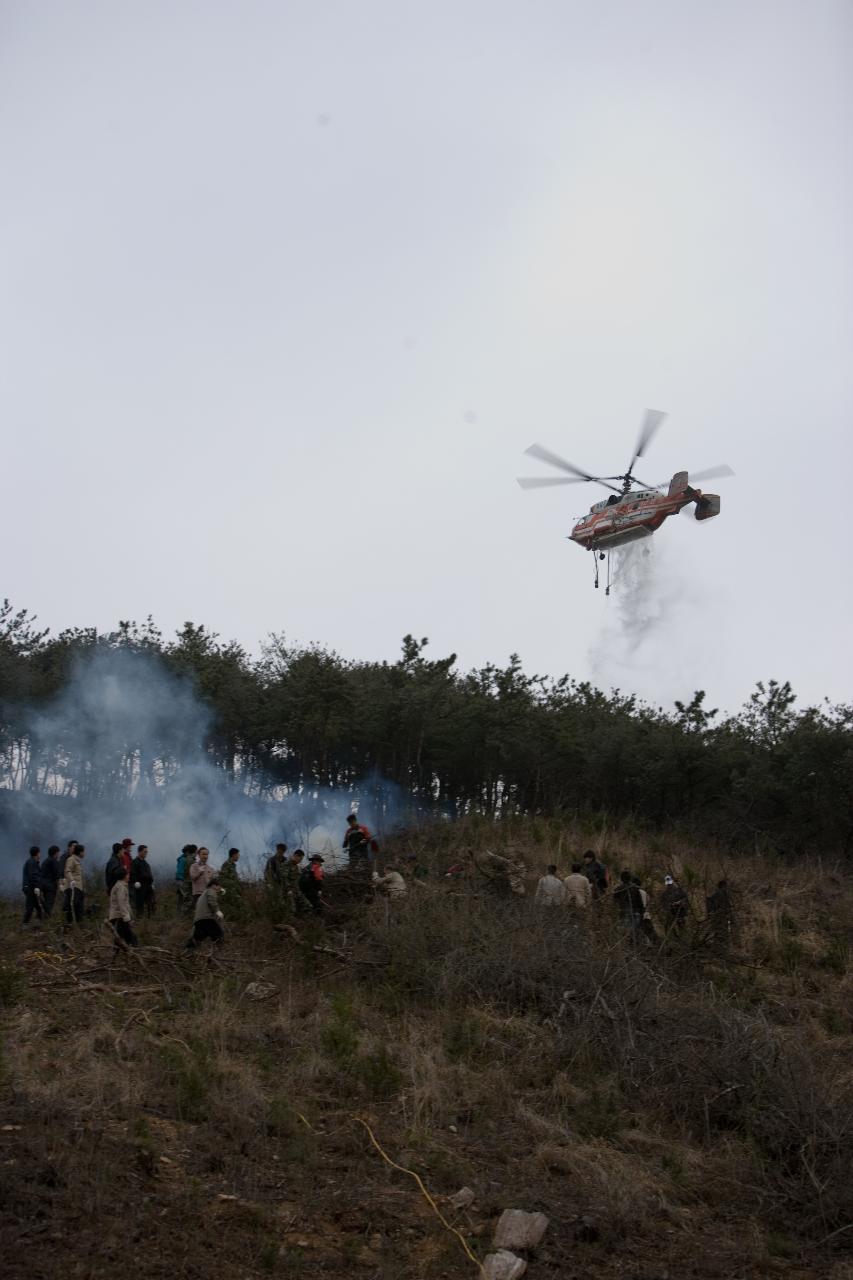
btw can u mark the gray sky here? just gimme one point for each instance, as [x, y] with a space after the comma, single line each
[287, 288]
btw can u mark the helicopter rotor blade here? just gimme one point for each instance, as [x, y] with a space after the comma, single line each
[545, 482]
[712, 473]
[651, 424]
[554, 460]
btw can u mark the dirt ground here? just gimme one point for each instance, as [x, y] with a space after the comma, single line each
[186, 1114]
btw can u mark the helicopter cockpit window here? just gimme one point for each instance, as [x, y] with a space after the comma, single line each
[612, 500]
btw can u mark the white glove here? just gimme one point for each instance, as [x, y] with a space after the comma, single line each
[137, 885]
[219, 915]
[222, 893]
[38, 893]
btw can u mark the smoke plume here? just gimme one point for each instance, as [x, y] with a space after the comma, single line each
[122, 751]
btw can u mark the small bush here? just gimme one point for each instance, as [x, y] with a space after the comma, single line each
[340, 1037]
[792, 955]
[464, 1039]
[11, 985]
[836, 958]
[834, 1022]
[787, 923]
[190, 1078]
[378, 1074]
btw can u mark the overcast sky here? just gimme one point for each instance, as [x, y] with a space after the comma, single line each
[287, 289]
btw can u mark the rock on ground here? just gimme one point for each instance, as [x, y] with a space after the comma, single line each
[519, 1230]
[503, 1265]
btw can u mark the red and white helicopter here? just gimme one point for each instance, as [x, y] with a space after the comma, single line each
[635, 510]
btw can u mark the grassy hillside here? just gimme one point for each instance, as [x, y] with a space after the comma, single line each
[676, 1110]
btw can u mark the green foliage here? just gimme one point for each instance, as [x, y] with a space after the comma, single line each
[792, 955]
[375, 1071]
[464, 1038]
[494, 742]
[340, 1036]
[268, 1256]
[378, 1074]
[191, 1075]
[787, 923]
[834, 1021]
[673, 1166]
[836, 958]
[11, 985]
[282, 1120]
[781, 1246]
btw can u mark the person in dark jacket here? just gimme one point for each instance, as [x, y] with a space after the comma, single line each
[596, 874]
[50, 874]
[127, 847]
[676, 905]
[31, 885]
[356, 841]
[719, 907]
[229, 879]
[646, 923]
[311, 883]
[294, 901]
[182, 877]
[114, 865]
[274, 873]
[629, 900]
[142, 884]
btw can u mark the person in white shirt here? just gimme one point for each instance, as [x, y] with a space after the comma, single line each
[578, 887]
[550, 891]
[201, 874]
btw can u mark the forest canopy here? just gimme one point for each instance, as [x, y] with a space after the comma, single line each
[493, 740]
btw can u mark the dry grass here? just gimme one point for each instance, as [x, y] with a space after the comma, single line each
[654, 1099]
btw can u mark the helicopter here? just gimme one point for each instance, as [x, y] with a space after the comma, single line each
[635, 509]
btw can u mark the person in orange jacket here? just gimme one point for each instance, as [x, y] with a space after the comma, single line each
[357, 841]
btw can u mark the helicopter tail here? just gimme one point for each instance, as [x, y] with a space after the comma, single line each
[707, 505]
[678, 483]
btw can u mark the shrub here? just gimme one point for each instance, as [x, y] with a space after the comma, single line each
[340, 1037]
[11, 985]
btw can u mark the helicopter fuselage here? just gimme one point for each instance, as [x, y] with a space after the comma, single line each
[639, 513]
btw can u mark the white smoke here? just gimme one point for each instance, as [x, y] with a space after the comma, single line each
[121, 751]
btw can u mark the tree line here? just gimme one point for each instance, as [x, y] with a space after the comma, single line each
[494, 740]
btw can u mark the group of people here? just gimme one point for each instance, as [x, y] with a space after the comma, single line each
[589, 881]
[296, 882]
[58, 874]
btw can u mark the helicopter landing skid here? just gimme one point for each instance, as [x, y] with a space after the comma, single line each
[596, 556]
